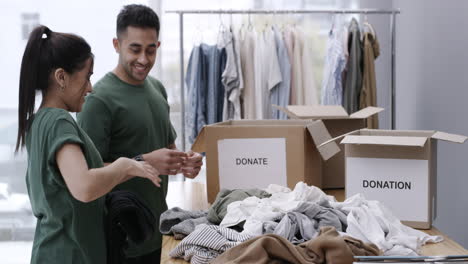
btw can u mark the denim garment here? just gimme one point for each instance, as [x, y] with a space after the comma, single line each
[205, 91]
[279, 95]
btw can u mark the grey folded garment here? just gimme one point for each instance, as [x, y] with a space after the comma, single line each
[180, 222]
[184, 229]
[218, 210]
[304, 222]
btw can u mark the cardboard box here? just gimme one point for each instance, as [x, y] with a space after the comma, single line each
[255, 153]
[338, 122]
[397, 168]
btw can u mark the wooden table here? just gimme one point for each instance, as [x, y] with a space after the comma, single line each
[192, 196]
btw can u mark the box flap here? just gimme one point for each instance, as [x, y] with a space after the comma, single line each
[385, 140]
[366, 112]
[317, 111]
[286, 111]
[340, 137]
[449, 137]
[200, 142]
[320, 134]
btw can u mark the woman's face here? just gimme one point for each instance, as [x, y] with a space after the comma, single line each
[78, 86]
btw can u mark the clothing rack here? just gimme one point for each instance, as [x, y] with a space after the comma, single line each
[181, 13]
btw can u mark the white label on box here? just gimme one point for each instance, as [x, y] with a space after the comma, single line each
[252, 162]
[402, 185]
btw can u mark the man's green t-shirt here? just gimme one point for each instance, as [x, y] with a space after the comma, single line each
[125, 120]
[67, 230]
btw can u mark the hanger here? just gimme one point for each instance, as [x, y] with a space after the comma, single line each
[368, 25]
[221, 29]
[250, 26]
[266, 23]
[333, 24]
[273, 20]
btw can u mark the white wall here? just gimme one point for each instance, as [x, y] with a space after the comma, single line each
[93, 20]
[432, 93]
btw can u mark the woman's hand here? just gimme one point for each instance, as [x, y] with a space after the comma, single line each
[133, 168]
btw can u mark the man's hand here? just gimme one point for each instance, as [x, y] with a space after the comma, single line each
[192, 165]
[166, 161]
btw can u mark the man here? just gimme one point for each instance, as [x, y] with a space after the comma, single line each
[127, 115]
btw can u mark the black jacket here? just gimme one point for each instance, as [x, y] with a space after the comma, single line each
[127, 218]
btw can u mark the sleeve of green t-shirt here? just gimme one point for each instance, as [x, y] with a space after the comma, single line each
[172, 132]
[96, 120]
[62, 132]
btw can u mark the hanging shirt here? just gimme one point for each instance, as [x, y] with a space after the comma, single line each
[267, 72]
[309, 93]
[195, 115]
[368, 95]
[67, 230]
[296, 67]
[247, 39]
[230, 77]
[288, 36]
[217, 60]
[280, 94]
[353, 82]
[335, 62]
[205, 90]
[236, 96]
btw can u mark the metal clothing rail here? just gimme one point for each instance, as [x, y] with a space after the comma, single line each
[291, 11]
[181, 13]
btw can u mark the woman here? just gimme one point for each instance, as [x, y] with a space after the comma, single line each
[66, 178]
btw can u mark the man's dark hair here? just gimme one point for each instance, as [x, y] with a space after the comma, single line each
[137, 16]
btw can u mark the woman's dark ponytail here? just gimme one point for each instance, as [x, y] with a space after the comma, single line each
[45, 51]
[31, 78]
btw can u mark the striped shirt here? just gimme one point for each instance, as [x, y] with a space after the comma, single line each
[206, 243]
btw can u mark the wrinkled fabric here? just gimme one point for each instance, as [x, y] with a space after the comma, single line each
[304, 222]
[328, 247]
[225, 197]
[372, 222]
[255, 211]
